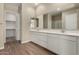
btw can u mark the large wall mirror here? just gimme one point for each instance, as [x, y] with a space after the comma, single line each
[34, 23]
[67, 20]
[52, 21]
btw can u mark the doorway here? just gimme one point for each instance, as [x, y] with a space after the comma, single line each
[12, 26]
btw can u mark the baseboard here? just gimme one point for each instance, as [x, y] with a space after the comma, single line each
[26, 41]
[1, 48]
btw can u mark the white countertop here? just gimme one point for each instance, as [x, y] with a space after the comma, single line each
[72, 33]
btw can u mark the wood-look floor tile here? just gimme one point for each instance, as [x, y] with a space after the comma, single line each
[15, 48]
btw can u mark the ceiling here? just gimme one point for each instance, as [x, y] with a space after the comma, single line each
[33, 4]
[54, 11]
[14, 4]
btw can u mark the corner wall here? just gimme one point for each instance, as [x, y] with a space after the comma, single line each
[27, 13]
[2, 26]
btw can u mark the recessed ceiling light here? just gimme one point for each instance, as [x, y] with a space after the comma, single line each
[36, 4]
[58, 9]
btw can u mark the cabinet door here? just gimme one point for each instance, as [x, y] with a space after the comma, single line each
[61, 45]
[39, 38]
[54, 44]
[67, 47]
[33, 36]
[78, 45]
[42, 37]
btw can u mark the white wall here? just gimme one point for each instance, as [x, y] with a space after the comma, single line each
[27, 13]
[40, 21]
[11, 7]
[52, 7]
[2, 26]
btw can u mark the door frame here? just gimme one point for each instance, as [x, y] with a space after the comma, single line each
[18, 26]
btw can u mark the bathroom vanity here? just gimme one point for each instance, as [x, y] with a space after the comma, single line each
[58, 32]
[57, 42]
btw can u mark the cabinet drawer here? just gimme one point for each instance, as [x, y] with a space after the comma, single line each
[42, 38]
[71, 38]
[53, 35]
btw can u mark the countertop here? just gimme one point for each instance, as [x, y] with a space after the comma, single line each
[71, 33]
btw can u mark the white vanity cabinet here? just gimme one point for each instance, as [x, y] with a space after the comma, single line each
[68, 45]
[63, 45]
[39, 38]
[78, 45]
[54, 43]
[57, 43]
